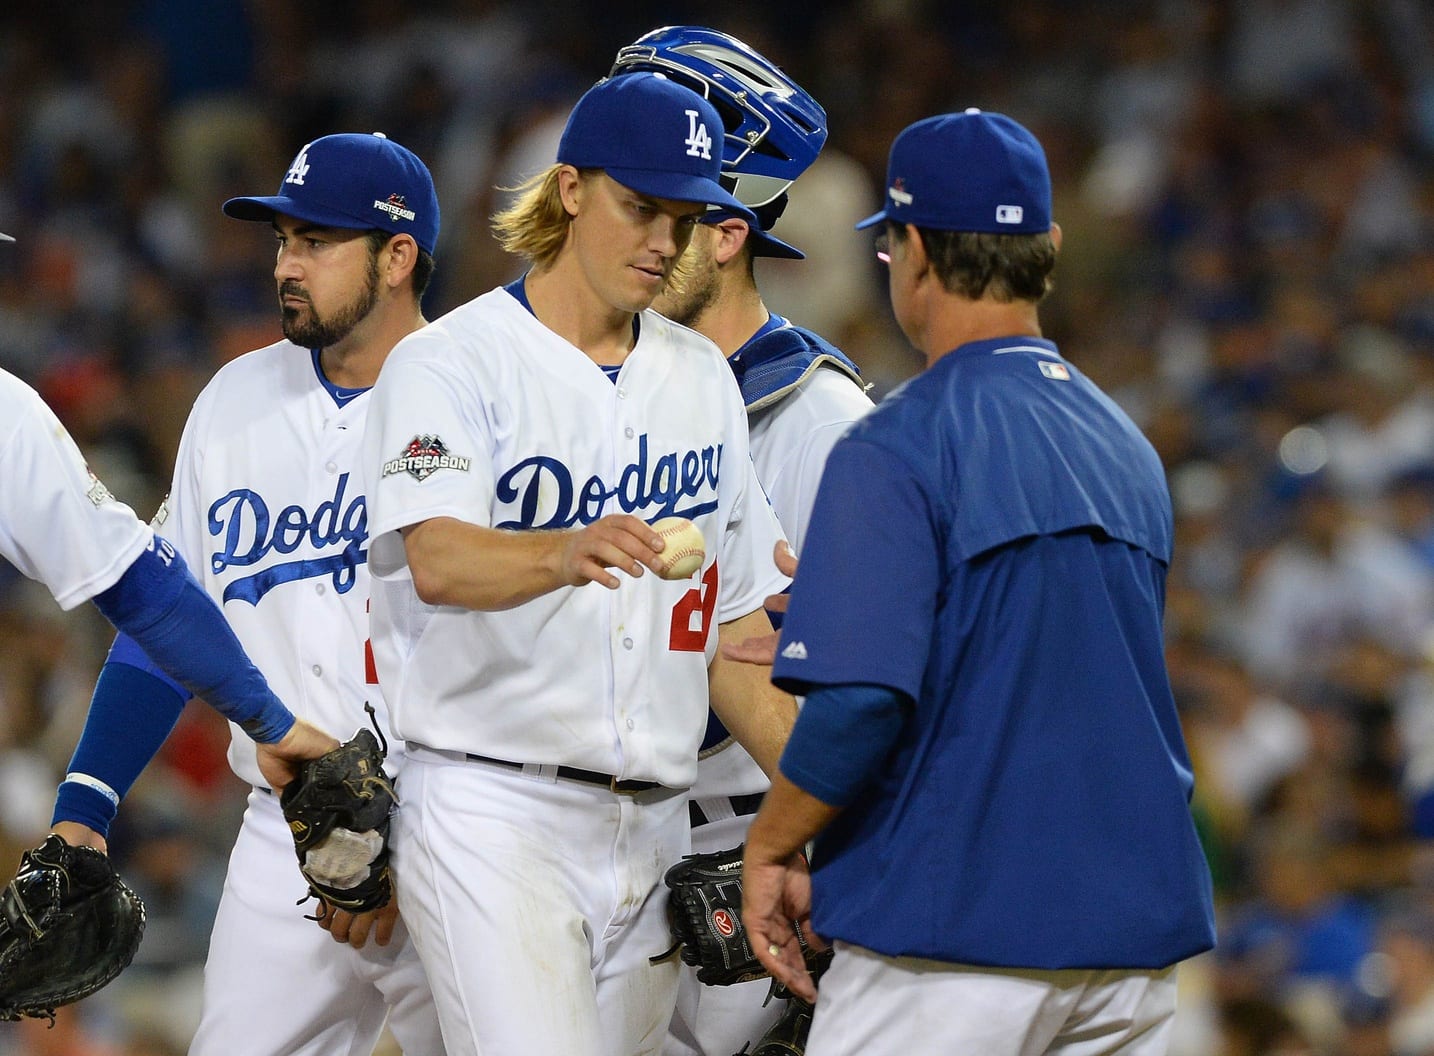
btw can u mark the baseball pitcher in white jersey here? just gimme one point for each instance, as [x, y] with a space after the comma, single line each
[553, 690]
[801, 395]
[268, 506]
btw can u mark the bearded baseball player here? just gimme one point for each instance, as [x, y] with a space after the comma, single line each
[553, 690]
[268, 503]
[801, 394]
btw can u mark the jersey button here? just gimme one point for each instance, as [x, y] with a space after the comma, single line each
[627, 643]
[318, 588]
[332, 467]
[317, 670]
[622, 394]
[631, 724]
[627, 432]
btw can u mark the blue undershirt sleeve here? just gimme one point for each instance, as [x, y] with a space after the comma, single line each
[842, 736]
[165, 610]
[131, 713]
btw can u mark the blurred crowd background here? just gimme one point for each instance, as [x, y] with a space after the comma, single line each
[1247, 193]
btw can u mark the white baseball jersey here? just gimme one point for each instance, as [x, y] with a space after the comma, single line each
[58, 524]
[489, 417]
[791, 440]
[267, 507]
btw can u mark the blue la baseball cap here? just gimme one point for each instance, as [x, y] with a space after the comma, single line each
[971, 171]
[356, 180]
[760, 240]
[653, 136]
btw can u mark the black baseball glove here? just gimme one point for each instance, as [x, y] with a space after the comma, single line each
[68, 925]
[704, 910]
[787, 1036]
[338, 811]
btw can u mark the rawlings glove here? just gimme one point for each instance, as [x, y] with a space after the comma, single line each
[338, 812]
[68, 925]
[704, 911]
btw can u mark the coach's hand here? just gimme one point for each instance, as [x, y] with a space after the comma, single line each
[619, 541]
[776, 901]
[356, 928]
[279, 762]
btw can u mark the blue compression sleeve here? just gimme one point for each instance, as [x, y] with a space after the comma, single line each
[161, 606]
[127, 651]
[841, 738]
[131, 713]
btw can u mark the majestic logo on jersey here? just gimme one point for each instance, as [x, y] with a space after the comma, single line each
[677, 484]
[795, 651]
[424, 456]
[699, 140]
[300, 168]
[1055, 371]
[395, 207]
[334, 535]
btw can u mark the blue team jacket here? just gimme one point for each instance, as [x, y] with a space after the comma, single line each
[993, 541]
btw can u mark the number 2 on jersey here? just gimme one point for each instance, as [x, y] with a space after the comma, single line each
[696, 606]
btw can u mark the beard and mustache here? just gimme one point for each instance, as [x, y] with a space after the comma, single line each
[691, 286]
[308, 329]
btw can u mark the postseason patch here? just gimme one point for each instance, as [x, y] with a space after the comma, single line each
[424, 456]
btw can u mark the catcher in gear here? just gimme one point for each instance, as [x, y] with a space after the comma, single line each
[338, 810]
[68, 925]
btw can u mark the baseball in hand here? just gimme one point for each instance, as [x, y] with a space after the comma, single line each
[685, 549]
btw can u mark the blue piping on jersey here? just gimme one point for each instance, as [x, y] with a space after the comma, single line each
[340, 394]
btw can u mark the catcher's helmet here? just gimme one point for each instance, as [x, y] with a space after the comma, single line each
[774, 129]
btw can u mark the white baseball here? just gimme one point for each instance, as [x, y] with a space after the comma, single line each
[685, 550]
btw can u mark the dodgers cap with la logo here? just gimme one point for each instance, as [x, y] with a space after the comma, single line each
[972, 171]
[653, 136]
[353, 180]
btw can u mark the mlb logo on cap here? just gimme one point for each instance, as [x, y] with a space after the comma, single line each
[971, 171]
[353, 180]
[653, 136]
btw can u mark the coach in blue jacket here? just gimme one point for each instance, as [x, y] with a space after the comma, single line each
[989, 747]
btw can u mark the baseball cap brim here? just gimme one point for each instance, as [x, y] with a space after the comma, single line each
[681, 187]
[6, 238]
[759, 242]
[766, 244]
[264, 208]
[872, 220]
